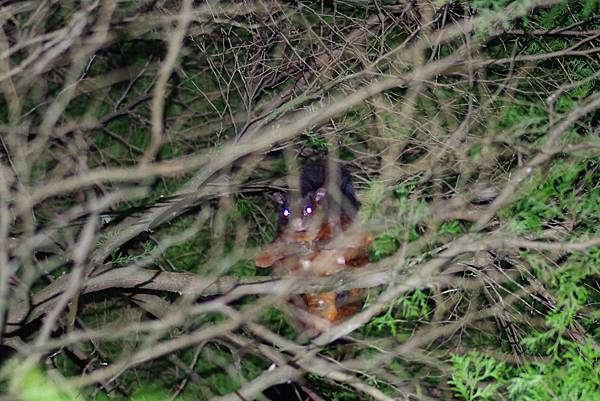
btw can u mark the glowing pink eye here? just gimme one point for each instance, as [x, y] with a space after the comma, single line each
[286, 212]
[307, 210]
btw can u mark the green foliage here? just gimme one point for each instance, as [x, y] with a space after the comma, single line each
[119, 259]
[405, 208]
[279, 322]
[571, 376]
[32, 384]
[568, 284]
[567, 192]
[151, 393]
[590, 7]
[563, 12]
[339, 393]
[451, 227]
[243, 268]
[415, 306]
[383, 245]
[188, 255]
[372, 200]
[399, 318]
[490, 4]
[476, 377]
[558, 196]
[317, 142]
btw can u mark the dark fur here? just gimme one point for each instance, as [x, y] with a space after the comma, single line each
[315, 177]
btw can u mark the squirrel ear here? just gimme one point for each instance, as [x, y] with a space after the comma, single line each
[320, 194]
[279, 198]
